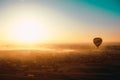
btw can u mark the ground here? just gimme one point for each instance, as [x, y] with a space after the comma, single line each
[86, 64]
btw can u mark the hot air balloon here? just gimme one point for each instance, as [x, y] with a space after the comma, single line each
[97, 41]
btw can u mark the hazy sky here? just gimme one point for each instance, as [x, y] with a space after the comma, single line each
[64, 20]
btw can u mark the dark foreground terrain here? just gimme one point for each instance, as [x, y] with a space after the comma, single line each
[66, 62]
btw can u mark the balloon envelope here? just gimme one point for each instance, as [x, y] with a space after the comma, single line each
[97, 41]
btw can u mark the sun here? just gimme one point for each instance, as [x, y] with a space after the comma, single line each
[27, 25]
[29, 32]
[26, 32]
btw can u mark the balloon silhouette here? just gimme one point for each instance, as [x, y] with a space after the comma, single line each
[97, 41]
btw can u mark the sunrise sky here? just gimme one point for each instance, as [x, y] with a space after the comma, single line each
[59, 21]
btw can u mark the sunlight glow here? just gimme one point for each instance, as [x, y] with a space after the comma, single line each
[28, 31]
[26, 26]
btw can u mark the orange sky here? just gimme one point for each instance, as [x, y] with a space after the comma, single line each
[58, 22]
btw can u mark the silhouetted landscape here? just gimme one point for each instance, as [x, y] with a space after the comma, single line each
[62, 62]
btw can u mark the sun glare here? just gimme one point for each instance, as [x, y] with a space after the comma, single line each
[28, 32]
[25, 24]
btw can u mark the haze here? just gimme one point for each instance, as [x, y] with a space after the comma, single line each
[58, 21]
